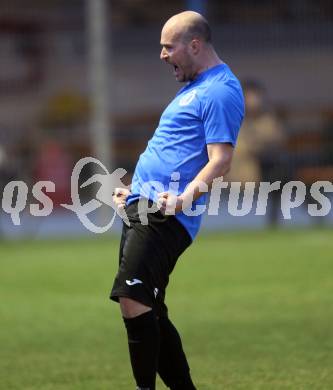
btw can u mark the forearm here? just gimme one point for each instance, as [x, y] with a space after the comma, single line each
[220, 156]
[204, 179]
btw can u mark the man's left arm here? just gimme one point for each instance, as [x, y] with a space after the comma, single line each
[220, 157]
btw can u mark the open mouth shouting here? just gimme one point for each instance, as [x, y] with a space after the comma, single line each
[176, 71]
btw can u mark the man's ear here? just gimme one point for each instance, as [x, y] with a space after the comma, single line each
[195, 46]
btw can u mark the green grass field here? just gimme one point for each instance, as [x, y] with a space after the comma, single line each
[255, 311]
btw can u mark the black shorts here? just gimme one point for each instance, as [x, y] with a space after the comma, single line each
[147, 256]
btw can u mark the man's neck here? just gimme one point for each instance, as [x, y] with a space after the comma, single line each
[211, 59]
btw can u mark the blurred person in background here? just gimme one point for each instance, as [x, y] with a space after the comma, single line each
[60, 137]
[260, 154]
[195, 139]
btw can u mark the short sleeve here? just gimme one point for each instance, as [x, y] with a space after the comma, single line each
[222, 114]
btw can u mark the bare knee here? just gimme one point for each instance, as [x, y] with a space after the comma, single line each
[131, 308]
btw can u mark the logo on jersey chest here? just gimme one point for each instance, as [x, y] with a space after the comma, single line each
[188, 98]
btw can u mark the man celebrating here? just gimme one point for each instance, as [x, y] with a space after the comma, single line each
[193, 144]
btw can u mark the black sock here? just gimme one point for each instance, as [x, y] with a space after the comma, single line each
[143, 342]
[172, 366]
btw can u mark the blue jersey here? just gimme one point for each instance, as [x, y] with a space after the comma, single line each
[209, 109]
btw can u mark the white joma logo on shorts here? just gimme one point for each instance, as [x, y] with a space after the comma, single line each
[133, 282]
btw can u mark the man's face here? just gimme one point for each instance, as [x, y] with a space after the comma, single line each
[176, 53]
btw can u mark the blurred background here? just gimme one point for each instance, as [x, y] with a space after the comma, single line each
[84, 78]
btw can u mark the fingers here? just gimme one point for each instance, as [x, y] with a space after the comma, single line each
[162, 199]
[167, 203]
[120, 202]
[119, 197]
[163, 195]
[121, 192]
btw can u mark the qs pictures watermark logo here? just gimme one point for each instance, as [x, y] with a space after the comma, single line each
[109, 182]
[15, 195]
[240, 201]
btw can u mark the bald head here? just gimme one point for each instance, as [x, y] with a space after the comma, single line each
[189, 25]
[186, 45]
